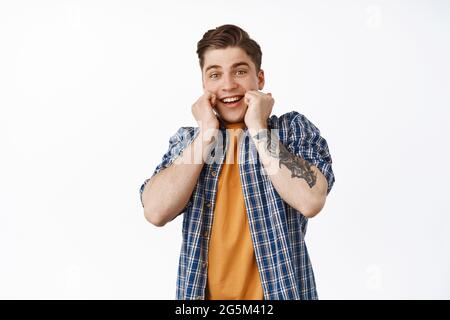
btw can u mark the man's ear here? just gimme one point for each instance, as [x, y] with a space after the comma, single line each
[261, 79]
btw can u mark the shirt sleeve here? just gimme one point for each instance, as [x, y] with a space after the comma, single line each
[177, 143]
[306, 142]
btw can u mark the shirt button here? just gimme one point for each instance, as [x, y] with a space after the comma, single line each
[208, 204]
[205, 234]
[213, 173]
[205, 264]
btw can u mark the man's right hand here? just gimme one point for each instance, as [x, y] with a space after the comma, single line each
[203, 111]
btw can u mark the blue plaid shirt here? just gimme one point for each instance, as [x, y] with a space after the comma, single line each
[277, 229]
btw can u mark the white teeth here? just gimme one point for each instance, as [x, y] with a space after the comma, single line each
[231, 99]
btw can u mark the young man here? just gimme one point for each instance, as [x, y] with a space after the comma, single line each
[246, 182]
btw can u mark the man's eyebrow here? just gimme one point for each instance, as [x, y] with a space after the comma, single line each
[235, 65]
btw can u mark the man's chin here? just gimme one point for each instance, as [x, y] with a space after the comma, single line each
[231, 119]
[234, 116]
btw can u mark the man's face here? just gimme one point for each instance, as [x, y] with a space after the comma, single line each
[230, 72]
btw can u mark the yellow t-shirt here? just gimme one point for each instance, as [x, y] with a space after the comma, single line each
[232, 269]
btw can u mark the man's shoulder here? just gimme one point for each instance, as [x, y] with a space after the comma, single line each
[285, 120]
[186, 133]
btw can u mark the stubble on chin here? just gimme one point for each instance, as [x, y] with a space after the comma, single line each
[237, 116]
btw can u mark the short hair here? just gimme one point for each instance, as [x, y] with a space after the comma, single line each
[229, 35]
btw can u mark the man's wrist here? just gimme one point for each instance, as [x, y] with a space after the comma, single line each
[254, 127]
[266, 143]
[208, 134]
[258, 133]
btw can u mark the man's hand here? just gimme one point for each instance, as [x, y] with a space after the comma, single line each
[203, 112]
[259, 109]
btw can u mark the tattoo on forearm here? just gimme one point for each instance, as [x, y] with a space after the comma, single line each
[299, 167]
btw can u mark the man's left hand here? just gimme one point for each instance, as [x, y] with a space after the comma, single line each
[259, 109]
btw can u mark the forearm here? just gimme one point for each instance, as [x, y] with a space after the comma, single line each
[168, 192]
[299, 183]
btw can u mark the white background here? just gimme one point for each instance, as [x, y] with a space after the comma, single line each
[91, 91]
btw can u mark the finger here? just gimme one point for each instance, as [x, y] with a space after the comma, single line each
[248, 94]
[207, 93]
[253, 94]
[210, 96]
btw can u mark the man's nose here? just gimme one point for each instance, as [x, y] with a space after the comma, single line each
[229, 82]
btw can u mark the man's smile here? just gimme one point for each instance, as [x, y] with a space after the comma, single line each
[233, 101]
